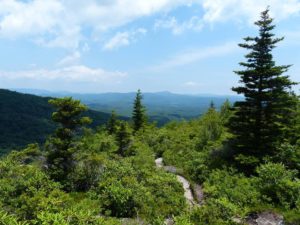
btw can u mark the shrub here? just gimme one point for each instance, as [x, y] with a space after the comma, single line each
[278, 185]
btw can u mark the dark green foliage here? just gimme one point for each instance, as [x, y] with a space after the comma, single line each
[212, 105]
[123, 138]
[112, 123]
[265, 117]
[295, 131]
[138, 115]
[289, 155]
[26, 119]
[59, 149]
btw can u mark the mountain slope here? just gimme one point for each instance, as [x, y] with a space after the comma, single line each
[26, 118]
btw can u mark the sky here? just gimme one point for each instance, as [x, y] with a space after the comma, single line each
[96, 46]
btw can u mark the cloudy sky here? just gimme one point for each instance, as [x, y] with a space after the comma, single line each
[182, 46]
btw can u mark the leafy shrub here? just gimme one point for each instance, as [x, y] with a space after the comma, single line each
[7, 219]
[126, 192]
[278, 185]
[25, 190]
[228, 185]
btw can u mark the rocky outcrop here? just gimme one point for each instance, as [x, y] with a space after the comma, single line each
[265, 218]
[159, 162]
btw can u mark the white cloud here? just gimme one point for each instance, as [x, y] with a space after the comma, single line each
[191, 84]
[70, 59]
[123, 39]
[195, 23]
[33, 17]
[224, 10]
[85, 47]
[78, 73]
[120, 39]
[60, 23]
[193, 56]
[66, 37]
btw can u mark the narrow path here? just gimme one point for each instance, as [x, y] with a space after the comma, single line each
[185, 183]
[187, 190]
[263, 218]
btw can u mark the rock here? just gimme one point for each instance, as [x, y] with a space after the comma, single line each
[169, 222]
[170, 169]
[130, 221]
[159, 163]
[187, 189]
[265, 218]
[198, 193]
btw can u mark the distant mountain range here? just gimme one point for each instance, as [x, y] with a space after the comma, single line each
[161, 106]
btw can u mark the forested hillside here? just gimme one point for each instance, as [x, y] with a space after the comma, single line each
[26, 119]
[235, 165]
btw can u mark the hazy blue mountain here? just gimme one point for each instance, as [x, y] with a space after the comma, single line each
[161, 106]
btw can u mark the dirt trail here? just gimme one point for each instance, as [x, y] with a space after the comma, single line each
[188, 194]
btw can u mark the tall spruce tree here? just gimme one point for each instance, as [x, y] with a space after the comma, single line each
[112, 123]
[60, 146]
[139, 113]
[123, 138]
[262, 120]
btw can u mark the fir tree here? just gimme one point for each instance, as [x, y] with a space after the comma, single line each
[295, 132]
[138, 116]
[212, 105]
[112, 124]
[59, 147]
[263, 118]
[225, 111]
[123, 138]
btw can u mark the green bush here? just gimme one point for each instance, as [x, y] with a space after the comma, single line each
[26, 190]
[228, 185]
[278, 185]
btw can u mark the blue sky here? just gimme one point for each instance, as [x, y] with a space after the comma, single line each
[182, 46]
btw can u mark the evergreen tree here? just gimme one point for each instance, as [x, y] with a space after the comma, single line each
[225, 111]
[112, 124]
[263, 118]
[295, 133]
[212, 105]
[123, 138]
[211, 127]
[59, 147]
[138, 116]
